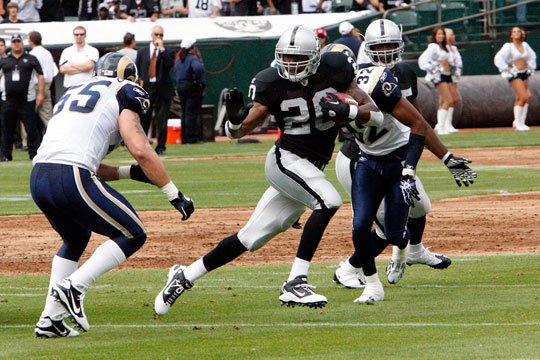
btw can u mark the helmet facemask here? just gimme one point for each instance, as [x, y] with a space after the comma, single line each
[384, 44]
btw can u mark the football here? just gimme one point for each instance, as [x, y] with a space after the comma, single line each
[346, 98]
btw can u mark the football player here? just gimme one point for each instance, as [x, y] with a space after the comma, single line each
[380, 148]
[294, 165]
[68, 183]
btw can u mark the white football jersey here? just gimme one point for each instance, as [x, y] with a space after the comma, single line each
[84, 126]
[379, 83]
[202, 8]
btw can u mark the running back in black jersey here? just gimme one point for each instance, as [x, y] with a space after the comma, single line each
[406, 77]
[295, 105]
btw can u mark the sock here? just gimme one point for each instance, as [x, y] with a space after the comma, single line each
[313, 232]
[416, 248]
[449, 118]
[524, 114]
[373, 279]
[416, 228]
[195, 271]
[60, 269]
[106, 257]
[299, 267]
[441, 121]
[347, 266]
[399, 255]
[226, 251]
[518, 113]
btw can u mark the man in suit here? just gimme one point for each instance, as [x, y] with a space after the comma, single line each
[155, 64]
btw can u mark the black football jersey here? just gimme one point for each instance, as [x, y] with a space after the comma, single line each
[295, 105]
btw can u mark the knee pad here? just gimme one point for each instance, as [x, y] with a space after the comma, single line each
[130, 245]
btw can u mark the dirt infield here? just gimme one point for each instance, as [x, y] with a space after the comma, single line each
[503, 223]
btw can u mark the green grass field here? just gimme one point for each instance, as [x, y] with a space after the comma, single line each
[482, 307]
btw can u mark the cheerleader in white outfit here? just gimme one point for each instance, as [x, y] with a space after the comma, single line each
[435, 60]
[456, 66]
[517, 61]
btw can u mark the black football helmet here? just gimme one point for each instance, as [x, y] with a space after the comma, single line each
[117, 65]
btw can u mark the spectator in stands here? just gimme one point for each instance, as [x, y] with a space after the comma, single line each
[173, 9]
[286, 7]
[516, 61]
[155, 63]
[392, 4]
[239, 7]
[19, 98]
[211, 10]
[29, 10]
[103, 12]
[262, 7]
[77, 61]
[350, 37]
[190, 81]
[139, 9]
[88, 10]
[311, 6]
[361, 5]
[13, 14]
[456, 67]
[435, 60]
[129, 47]
[51, 10]
[322, 36]
[50, 70]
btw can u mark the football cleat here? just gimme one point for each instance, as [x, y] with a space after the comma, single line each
[298, 292]
[349, 279]
[176, 285]
[71, 299]
[426, 257]
[394, 272]
[373, 292]
[49, 328]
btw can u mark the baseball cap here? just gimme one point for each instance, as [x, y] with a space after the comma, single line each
[345, 28]
[320, 32]
[16, 37]
[187, 43]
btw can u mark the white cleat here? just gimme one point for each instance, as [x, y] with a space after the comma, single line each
[395, 271]
[298, 292]
[349, 279]
[426, 257]
[176, 285]
[373, 292]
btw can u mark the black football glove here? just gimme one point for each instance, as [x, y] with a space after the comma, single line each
[234, 105]
[183, 204]
[409, 190]
[334, 109]
[136, 173]
[459, 170]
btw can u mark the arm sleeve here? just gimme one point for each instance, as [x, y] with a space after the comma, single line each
[132, 96]
[426, 59]
[386, 93]
[501, 59]
[531, 61]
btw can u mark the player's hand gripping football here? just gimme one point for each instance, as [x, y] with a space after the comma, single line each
[234, 105]
[409, 190]
[183, 204]
[459, 170]
[335, 109]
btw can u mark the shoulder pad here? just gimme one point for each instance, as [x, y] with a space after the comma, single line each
[132, 96]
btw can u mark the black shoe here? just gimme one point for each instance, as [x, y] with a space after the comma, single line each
[160, 151]
[3, 158]
[49, 328]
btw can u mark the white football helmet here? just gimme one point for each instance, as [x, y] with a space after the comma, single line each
[299, 40]
[380, 32]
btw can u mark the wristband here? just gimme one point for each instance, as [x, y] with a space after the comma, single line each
[170, 191]
[234, 126]
[353, 111]
[124, 172]
[446, 156]
[408, 171]
[376, 118]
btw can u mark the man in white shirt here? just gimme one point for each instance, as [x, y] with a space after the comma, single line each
[50, 70]
[205, 8]
[77, 61]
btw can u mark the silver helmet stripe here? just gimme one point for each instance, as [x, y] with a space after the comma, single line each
[382, 27]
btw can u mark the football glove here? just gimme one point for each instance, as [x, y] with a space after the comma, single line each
[234, 105]
[183, 204]
[459, 170]
[334, 109]
[409, 190]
